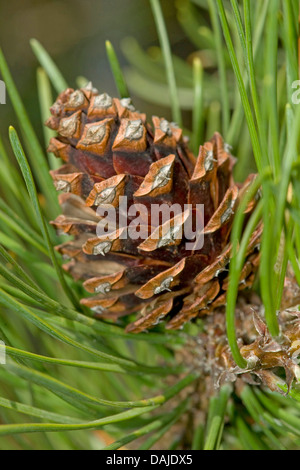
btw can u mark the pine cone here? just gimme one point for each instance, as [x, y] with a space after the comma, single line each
[110, 151]
[267, 357]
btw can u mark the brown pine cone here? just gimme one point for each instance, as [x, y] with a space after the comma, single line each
[272, 362]
[111, 152]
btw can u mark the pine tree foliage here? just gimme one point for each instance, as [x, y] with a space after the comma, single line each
[74, 381]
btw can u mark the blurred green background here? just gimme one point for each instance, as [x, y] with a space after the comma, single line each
[74, 33]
